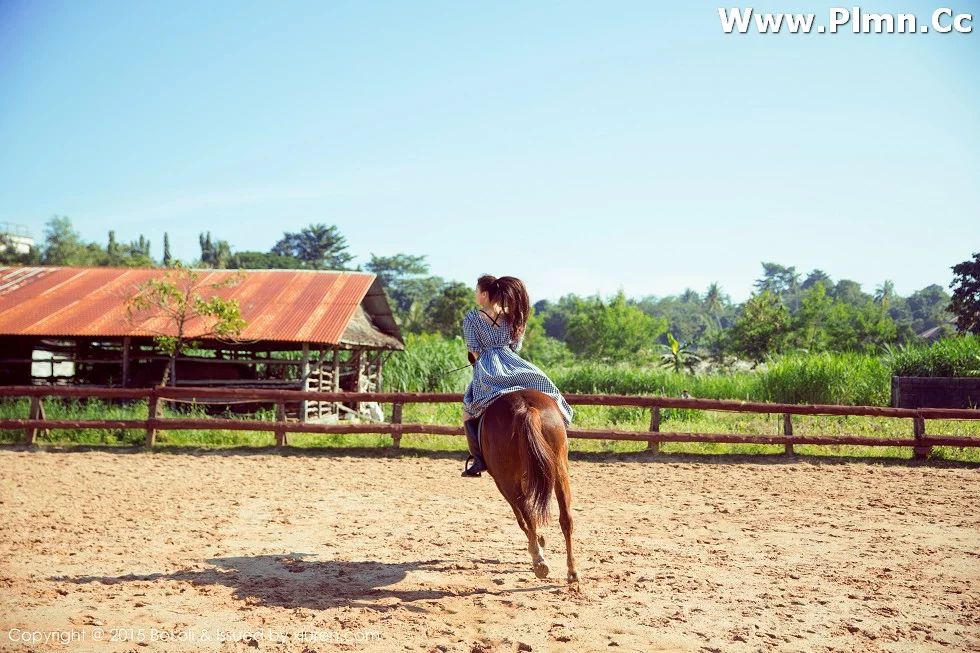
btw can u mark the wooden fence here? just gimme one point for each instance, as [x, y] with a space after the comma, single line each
[920, 442]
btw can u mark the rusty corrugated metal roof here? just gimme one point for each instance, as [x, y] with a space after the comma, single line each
[279, 305]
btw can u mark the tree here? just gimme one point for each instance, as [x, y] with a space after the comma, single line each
[929, 307]
[809, 325]
[688, 320]
[214, 254]
[885, 294]
[391, 269]
[541, 349]
[400, 275]
[761, 326]
[678, 357]
[263, 261]
[450, 307]
[555, 316]
[183, 304]
[849, 292]
[817, 276]
[965, 303]
[614, 332]
[167, 259]
[63, 245]
[319, 247]
[714, 302]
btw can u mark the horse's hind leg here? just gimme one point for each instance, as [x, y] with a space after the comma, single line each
[564, 493]
[535, 543]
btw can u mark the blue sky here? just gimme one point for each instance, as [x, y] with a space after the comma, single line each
[582, 146]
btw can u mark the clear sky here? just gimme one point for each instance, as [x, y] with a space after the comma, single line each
[582, 146]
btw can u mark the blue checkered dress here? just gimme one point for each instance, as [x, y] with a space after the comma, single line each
[499, 369]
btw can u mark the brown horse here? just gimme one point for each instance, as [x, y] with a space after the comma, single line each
[525, 448]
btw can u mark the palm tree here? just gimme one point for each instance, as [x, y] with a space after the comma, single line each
[885, 293]
[714, 301]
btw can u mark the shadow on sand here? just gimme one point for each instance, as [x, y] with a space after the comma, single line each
[293, 581]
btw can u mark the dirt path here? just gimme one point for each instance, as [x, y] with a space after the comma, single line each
[317, 552]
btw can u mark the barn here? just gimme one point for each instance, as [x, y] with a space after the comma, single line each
[306, 330]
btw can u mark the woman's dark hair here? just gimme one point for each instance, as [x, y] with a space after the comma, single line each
[511, 294]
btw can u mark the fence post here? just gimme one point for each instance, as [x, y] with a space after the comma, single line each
[36, 412]
[152, 413]
[280, 424]
[396, 418]
[788, 430]
[919, 431]
[653, 446]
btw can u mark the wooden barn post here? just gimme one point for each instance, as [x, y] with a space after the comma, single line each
[304, 370]
[125, 361]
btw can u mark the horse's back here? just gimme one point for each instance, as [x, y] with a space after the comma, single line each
[512, 403]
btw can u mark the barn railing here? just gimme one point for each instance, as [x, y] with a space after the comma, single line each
[36, 421]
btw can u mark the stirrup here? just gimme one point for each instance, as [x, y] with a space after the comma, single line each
[473, 467]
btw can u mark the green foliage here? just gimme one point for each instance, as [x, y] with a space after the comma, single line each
[678, 357]
[63, 245]
[809, 325]
[427, 365]
[263, 261]
[318, 246]
[850, 379]
[214, 254]
[555, 315]
[177, 299]
[959, 356]
[780, 281]
[392, 269]
[929, 308]
[761, 327]
[965, 303]
[853, 328]
[541, 349]
[613, 332]
[449, 307]
[629, 380]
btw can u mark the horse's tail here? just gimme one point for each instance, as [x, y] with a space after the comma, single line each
[539, 463]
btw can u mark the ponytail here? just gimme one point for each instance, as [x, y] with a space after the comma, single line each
[511, 294]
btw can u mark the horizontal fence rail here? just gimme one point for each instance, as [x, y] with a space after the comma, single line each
[36, 421]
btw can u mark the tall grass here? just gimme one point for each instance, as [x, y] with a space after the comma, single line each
[958, 356]
[845, 378]
[626, 380]
[427, 365]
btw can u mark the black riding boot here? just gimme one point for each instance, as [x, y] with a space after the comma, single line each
[471, 440]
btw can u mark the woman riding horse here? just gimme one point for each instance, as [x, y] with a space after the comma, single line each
[494, 335]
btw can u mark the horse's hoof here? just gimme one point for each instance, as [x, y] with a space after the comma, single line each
[573, 578]
[541, 569]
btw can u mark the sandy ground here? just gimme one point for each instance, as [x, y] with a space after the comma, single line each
[316, 552]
